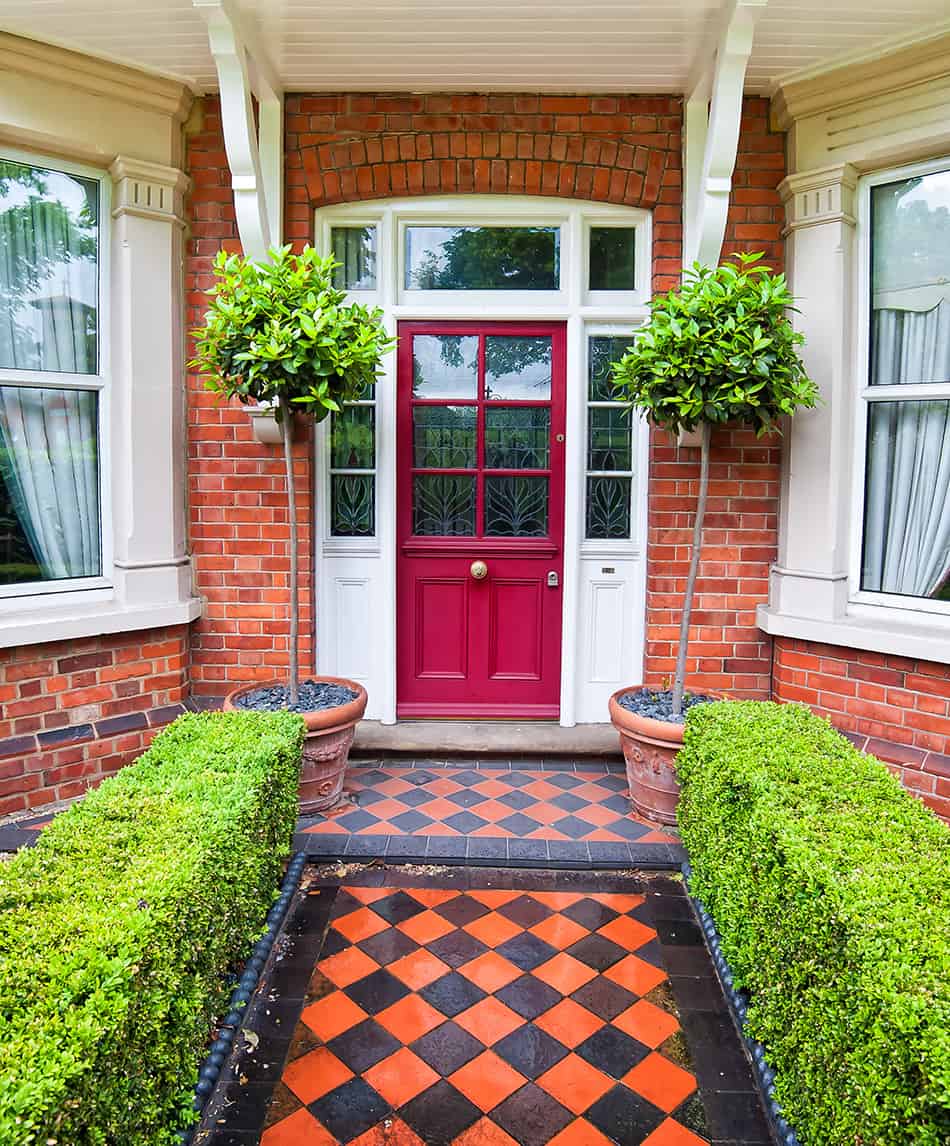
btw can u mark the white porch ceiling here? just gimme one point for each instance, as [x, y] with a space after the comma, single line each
[514, 45]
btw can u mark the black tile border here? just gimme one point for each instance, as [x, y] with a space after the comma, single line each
[105, 729]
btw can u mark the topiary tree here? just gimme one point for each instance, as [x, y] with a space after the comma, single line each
[281, 333]
[720, 349]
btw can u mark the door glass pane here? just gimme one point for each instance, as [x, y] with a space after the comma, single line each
[443, 505]
[354, 248]
[516, 506]
[443, 437]
[608, 507]
[612, 258]
[609, 441]
[445, 366]
[353, 505]
[517, 366]
[482, 258]
[602, 352]
[49, 239]
[353, 439]
[517, 437]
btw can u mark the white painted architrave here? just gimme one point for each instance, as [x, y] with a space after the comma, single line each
[355, 578]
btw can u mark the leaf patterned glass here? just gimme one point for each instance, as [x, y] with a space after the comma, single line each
[443, 437]
[602, 352]
[482, 258]
[353, 438]
[612, 264]
[517, 438]
[353, 505]
[608, 446]
[517, 366]
[354, 248]
[445, 366]
[608, 508]
[516, 506]
[443, 505]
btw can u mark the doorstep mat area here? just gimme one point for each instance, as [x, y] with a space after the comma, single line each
[478, 1007]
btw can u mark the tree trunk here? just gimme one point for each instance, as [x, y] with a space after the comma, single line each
[286, 433]
[679, 680]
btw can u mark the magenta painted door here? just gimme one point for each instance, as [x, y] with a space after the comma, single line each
[480, 518]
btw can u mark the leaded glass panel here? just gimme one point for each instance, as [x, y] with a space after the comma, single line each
[354, 248]
[518, 438]
[443, 505]
[482, 258]
[602, 352]
[608, 508]
[517, 366]
[516, 506]
[444, 437]
[608, 446]
[353, 438]
[353, 505]
[445, 366]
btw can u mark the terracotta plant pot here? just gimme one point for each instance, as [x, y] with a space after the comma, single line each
[649, 749]
[327, 746]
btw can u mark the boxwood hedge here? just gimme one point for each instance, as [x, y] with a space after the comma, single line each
[830, 887]
[117, 927]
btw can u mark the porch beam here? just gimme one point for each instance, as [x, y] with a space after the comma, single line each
[254, 149]
[712, 114]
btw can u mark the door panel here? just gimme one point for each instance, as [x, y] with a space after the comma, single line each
[480, 456]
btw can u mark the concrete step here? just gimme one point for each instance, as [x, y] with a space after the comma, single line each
[503, 738]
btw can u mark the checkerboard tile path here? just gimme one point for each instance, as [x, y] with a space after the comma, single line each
[445, 1017]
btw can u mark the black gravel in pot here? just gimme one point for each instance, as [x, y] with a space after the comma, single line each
[313, 695]
[659, 705]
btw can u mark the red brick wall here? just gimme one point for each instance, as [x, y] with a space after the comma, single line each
[75, 711]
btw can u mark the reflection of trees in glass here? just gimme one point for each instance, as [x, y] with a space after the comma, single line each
[354, 248]
[483, 258]
[612, 258]
[443, 437]
[911, 239]
[353, 438]
[603, 352]
[516, 365]
[517, 437]
[458, 353]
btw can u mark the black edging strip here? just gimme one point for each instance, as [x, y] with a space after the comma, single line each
[241, 995]
[763, 1073]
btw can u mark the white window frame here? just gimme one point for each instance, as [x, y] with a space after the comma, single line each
[92, 589]
[862, 602]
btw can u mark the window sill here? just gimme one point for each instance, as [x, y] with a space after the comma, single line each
[927, 637]
[55, 621]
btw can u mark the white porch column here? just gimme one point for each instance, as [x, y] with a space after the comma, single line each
[811, 577]
[148, 398]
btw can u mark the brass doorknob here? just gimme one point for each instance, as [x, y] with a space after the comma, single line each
[479, 570]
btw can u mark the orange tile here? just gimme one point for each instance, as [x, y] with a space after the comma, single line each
[557, 900]
[410, 1018]
[438, 829]
[315, 1074]
[487, 1080]
[360, 924]
[559, 931]
[492, 831]
[575, 1083]
[494, 899]
[381, 828]
[602, 836]
[670, 1133]
[443, 787]
[544, 791]
[660, 1081]
[492, 788]
[418, 969]
[385, 810]
[401, 1077]
[616, 900]
[326, 828]
[431, 896]
[389, 1133]
[629, 933]
[635, 974]
[592, 814]
[545, 833]
[347, 967]
[492, 929]
[658, 838]
[569, 1023]
[298, 1129]
[332, 1015]
[565, 973]
[580, 1133]
[492, 811]
[649, 1024]
[438, 809]
[426, 927]
[485, 1133]
[489, 1021]
[490, 971]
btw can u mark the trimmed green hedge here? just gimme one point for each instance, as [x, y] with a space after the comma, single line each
[830, 887]
[116, 927]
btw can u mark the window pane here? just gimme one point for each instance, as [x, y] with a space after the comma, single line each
[910, 280]
[608, 507]
[602, 352]
[608, 446]
[517, 366]
[445, 366]
[517, 438]
[443, 437]
[49, 484]
[352, 505]
[612, 258]
[483, 258]
[353, 438]
[907, 500]
[516, 506]
[48, 270]
[443, 505]
[355, 249]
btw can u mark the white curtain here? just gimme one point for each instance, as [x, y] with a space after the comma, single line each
[50, 470]
[907, 511]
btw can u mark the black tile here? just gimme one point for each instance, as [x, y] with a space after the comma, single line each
[461, 910]
[531, 1116]
[231, 1138]
[718, 1060]
[400, 847]
[375, 776]
[616, 782]
[608, 853]
[354, 821]
[568, 802]
[679, 933]
[530, 1050]
[520, 779]
[388, 946]
[569, 851]
[334, 943]
[517, 799]
[465, 822]
[320, 846]
[667, 907]
[567, 781]
[573, 828]
[447, 847]
[692, 1115]
[604, 998]
[526, 951]
[528, 996]
[398, 907]
[589, 913]
[440, 1114]
[597, 951]
[452, 994]
[350, 1110]
[612, 1051]
[738, 1115]
[468, 779]
[624, 1116]
[651, 952]
[526, 911]
[482, 848]
[411, 821]
[617, 803]
[418, 776]
[377, 991]
[519, 824]
[677, 960]
[629, 829]
[373, 846]
[457, 947]
[529, 851]
[245, 1106]
[447, 1048]
[466, 798]
[697, 994]
[364, 1045]
[414, 797]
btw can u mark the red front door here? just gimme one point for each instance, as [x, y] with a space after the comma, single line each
[480, 518]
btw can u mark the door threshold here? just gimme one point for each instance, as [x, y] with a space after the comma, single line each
[530, 738]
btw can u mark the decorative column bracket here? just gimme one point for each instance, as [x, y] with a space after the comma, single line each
[255, 151]
[711, 128]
